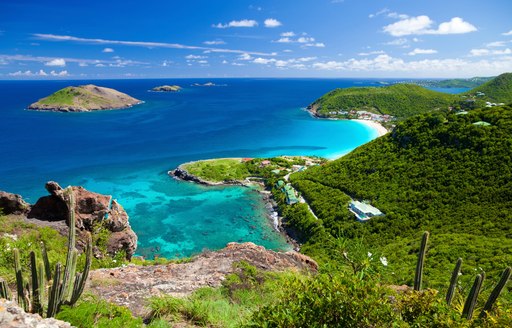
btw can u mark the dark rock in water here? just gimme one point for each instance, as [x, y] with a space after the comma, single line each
[12, 203]
[91, 209]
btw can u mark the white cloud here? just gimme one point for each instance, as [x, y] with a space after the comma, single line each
[167, 63]
[496, 44]
[39, 73]
[422, 25]
[285, 40]
[195, 57]
[397, 15]
[287, 50]
[376, 52]
[317, 45]
[237, 64]
[272, 22]
[397, 42]
[487, 52]
[59, 74]
[419, 51]
[83, 64]
[214, 42]
[507, 33]
[56, 62]
[304, 39]
[263, 61]
[427, 67]
[202, 62]
[244, 57]
[108, 50]
[240, 23]
[68, 38]
[380, 12]
[225, 62]
[287, 34]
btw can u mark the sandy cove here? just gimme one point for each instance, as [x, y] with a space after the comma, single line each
[374, 125]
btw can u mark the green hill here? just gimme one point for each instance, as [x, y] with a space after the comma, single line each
[453, 83]
[438, 172]
[399, 100]
[497, 90]
[84, 98]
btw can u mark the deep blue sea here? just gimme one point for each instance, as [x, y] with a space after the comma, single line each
[127, 153]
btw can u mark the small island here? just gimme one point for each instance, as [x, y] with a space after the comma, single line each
[167, 88]
[84, 98]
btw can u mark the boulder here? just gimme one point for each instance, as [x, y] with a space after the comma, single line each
[91, 210]
[12, 203]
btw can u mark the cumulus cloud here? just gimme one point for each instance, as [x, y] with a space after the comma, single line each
[422, 25]
[59, 74]
[507, 33]
[167, 63]
[263, 61]
[108, 50]
[316, 44]
[214, 42]
[418, 51]
[245, 57]
[496, 44]
[397, 42]
[195, 57]
[240, 23]
[56, 62]
[272, 22]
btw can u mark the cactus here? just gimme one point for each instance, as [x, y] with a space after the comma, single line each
[505, 276]
[4, 290]
[19, 280]
[67, 285]
[418, 278]
[453, 281]
[47, 268]
[36, 286]
[470, 304]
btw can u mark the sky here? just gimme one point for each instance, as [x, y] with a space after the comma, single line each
[46, 39]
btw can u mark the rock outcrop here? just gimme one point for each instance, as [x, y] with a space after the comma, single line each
[12, 316]
[91, 209]
[167, 88]
[84, 98]
[130, 286]
[12, 203]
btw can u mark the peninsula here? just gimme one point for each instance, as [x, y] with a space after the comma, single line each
[167, 88]
[84, 98]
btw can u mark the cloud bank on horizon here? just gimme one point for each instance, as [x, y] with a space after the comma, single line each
[324, 38]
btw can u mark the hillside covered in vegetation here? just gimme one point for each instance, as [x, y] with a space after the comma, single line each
[498, 89]
[438, 172]
[399, 100]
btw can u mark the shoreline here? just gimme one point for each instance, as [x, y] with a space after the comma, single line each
[381, 130]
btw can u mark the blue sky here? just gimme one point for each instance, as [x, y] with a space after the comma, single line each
[268, 38]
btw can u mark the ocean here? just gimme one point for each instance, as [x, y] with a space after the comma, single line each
[127, 153]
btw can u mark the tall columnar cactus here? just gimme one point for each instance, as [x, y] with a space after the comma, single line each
[66, 284]
[19, 280]
[453, 281]
[470, 304]
[4, 290]
[418, 278]
[505, 276]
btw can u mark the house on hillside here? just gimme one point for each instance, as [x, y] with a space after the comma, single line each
[363, 211]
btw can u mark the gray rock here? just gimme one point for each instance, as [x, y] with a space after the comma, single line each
[12, 316]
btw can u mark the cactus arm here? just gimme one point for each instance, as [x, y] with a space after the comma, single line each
[453, 281]
[505, 276]
[19, 279]
[42, 286]
[36, 296]
[68, 271]
[81, 279]
[4, 290]
[53, 302]
[47, 268]
[470, 304]
[418, 278]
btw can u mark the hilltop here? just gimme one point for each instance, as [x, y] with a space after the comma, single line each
[439, 172]
[498, 89]
[84, 98]
[453, 83]
[399, 100]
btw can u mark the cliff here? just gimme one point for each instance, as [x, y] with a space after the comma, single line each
[84, 98]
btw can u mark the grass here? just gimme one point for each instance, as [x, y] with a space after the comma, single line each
[218, 170]
[61, 97]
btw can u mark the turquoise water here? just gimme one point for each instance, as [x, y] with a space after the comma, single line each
[127, 153]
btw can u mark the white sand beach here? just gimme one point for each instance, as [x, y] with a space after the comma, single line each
[374, 125]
